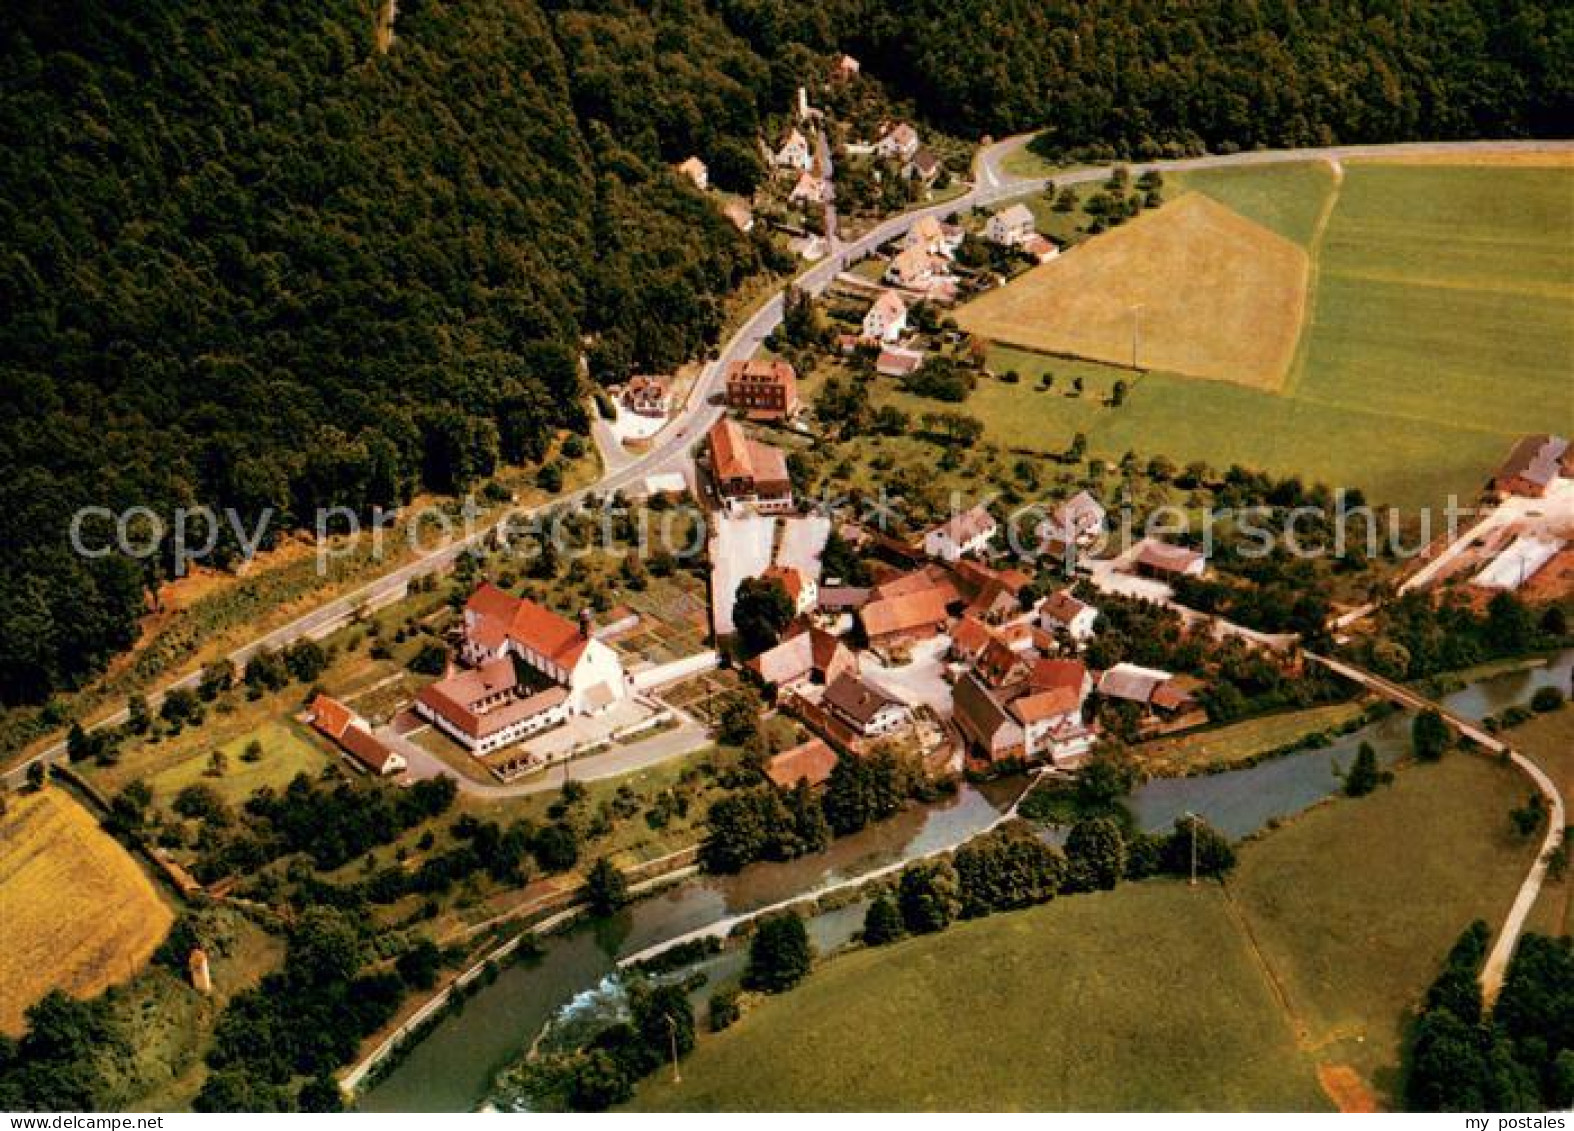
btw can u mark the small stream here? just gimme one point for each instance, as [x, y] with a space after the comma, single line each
[453, 1067]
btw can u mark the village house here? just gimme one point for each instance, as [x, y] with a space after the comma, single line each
[987, 727]
[1061, 612]
[738, 212]
[799, 587]
[352, 735]
[811, 189]
[1010, 226]
[932, 236]
[969, 636]
[794, 153]
[808, 656]
[487, 708]
[811, 763]
[748, 473]
[967, 533]
[898, 361]
[836, 600]
[915, 268]
[899, 142]
[1041, 248]
[1080, 518]
[1050, 714]
[1036, 718]
[886, 320]
[1165, 561]
[867, 710]
[762, 389]
[906, 618]
[647, 395]
[924, 166]
[1533, 466]
[992, 594]
[694, 169]
[999, 664]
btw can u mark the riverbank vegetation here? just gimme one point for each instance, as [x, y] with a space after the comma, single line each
[1322, 938]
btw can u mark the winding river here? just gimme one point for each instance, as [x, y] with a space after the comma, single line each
[453, 1067]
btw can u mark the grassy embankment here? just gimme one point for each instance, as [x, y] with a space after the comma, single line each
[1154, 995]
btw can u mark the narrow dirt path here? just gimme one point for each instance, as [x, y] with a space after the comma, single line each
[1314, 255]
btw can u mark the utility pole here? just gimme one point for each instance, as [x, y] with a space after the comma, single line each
[672, 1031]
[1193, 817]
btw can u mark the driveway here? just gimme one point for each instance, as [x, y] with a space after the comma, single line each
[919, 682]
[686, 738]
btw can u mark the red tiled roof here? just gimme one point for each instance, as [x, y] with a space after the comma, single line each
[330, 716]
[735, 456]
[1048, 674]
[367, 749]
[1062, 607]
[811, 762]
[1167, 557]
[970, 635]
[908, 612]
[791, 580]
[1041, 705]
[997, 662]
[501, 615]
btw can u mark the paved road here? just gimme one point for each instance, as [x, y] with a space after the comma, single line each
[1496, 965]
[685, 738]
[992, 186]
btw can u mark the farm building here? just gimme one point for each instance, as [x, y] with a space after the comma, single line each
[352, 735]
[1521, 561]
[812, 762]
[1533, 466]
[965, 533]
[1165, 561]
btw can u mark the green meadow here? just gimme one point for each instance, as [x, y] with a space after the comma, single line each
[1155, 995]
[1440, 328]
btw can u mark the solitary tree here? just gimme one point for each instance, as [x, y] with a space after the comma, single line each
[605, 888]
[761, 611]
[780, 955]
[1364, 775]
[1429, 735]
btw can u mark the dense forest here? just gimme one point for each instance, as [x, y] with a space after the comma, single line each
[248, 260]
[1147, 78]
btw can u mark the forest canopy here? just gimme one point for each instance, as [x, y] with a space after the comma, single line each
[249, 261]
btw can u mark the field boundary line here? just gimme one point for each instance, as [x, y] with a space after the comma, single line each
[1314, 275]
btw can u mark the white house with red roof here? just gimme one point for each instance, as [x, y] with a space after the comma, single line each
[498, 624]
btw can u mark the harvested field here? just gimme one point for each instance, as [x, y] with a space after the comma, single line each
[78, 912]
[1194, 288]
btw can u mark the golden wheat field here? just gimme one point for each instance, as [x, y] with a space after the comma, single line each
[1193, 288]
[76, 911]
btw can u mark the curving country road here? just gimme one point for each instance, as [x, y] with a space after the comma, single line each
[992, 184]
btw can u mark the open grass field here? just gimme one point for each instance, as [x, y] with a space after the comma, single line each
[1155, 995]
[76, 912]
[286, 751]
[1291, 200]
[1354, 904]
[1220, 297]
[1218, 747]
[1549, 741]
[1093, 1003]
[1440, 328]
